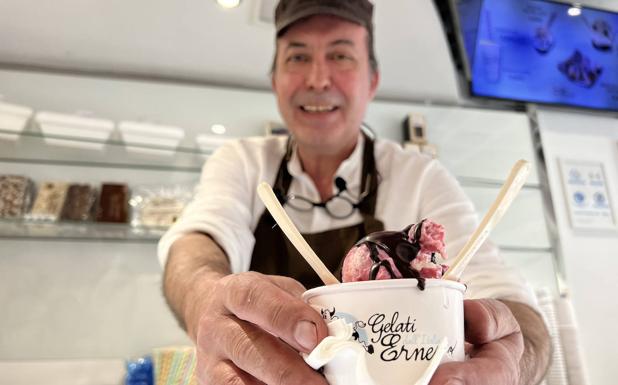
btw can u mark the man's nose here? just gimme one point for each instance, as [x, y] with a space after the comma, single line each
[319, 76]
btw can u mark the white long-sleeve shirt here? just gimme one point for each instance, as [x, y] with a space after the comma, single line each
[412, 186]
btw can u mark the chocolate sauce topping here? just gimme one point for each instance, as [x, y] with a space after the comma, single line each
[397, 245]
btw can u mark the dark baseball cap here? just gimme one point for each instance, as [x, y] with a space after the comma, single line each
[360, 12]
[290, 11]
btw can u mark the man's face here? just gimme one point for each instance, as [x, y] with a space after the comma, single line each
[323, 82]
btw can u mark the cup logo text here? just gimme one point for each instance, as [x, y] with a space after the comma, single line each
[392, 336]
[390, 333]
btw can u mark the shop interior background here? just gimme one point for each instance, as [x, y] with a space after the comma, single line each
[78, 302]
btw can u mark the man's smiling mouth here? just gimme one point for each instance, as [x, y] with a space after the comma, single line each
[312, 108]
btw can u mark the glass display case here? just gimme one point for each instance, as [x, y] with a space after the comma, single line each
[59, 157]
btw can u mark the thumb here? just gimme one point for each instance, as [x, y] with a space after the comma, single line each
[488, 320]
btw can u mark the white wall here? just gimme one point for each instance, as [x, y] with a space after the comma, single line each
[590, 258]
[82, 300]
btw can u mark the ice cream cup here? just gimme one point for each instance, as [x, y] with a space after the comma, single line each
[397, 326]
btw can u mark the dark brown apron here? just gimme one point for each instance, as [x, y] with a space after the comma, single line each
[274, 254]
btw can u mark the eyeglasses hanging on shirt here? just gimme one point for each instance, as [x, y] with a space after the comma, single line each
[337, 206]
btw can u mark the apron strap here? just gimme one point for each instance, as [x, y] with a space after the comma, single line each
[369, 177]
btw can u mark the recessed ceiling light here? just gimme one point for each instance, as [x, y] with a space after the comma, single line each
[218, 129]
[228, 3]
[575, 10]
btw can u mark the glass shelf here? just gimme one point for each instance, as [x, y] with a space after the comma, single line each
[33, 147]
[525, 249]
[72, 231]
[485, 182]
[94, 231]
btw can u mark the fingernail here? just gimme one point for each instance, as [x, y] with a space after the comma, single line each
[306, 334]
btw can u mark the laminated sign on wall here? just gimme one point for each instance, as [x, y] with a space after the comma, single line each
[587, 195]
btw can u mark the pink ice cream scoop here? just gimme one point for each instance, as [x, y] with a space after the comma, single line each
[415, 252]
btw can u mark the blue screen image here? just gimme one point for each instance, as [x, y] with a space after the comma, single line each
[534, 51]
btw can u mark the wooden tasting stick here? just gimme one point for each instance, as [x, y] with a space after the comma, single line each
[507, 194]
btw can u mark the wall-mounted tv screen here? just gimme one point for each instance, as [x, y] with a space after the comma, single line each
[540, 51]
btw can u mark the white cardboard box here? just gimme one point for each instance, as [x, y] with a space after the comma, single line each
[60, 128]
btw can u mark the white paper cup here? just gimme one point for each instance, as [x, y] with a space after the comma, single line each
[398, 325]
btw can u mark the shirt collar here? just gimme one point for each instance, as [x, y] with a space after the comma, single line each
[349, 169]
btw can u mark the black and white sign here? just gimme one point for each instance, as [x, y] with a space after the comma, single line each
[587, 195]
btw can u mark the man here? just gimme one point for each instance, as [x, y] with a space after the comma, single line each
[250, 326]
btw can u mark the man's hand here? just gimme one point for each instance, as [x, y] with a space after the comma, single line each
[250, 331]
[248, 327]
[497, 346]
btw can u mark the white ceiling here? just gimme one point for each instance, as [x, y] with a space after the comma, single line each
[198, 40]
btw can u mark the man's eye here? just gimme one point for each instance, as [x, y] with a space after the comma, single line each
[299, 58]
[340, 57]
